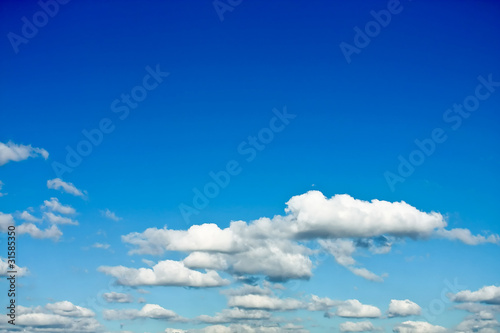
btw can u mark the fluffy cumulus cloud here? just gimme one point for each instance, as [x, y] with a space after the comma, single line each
[360, 326]
[151, 311]
[264, 302]
[59, 184]
[403, 308]
[353, 308]
[31, 229]
[482, 322]
[274, 247]
[165, 273]
[114, 297]
[418, 327]
[17, 152]
[63, 317]
[487, 294]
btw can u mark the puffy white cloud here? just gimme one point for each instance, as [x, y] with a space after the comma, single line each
[26, 216]
[403, 308]
[114, 297]
[68, 309]
[276, 247]
[54, 205]
[418, 327]
[59, 317]
[110, 215]
[264, 302]
[58, 219]
[206, 260]
[465, 236]
[4, 268]
[205, 237]
[18, 152]
[343, 216]
[321, 304]
[352, 308]
[232, 315]
[482, 322]
[487, 294]
[360, 326]
[151, 311]
[29, 228]
[59, 184]
[165, 273]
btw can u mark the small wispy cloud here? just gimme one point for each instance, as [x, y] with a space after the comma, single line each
[16, 152]
[110, 215]
[59, 184]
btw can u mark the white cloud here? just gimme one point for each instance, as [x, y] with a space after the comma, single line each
[482, 322]
[110, 215]
[26, 216]
[18, 152]
[487, 294]
[264, 302]
[60, 317]
[403, 308]
[29, 228]
[274, 247]
[360, 326]
[353, 308]
[418, 327]
[343, 216]
[57, 219]
[114, 297]
[243, 328]
[206, 260]
[231, 315]
[151, 311]
[55, 206]
[465, 236]
[5, 268]
[6, 220]
[165, 273]
[101, 246]
[321, 304]
[1, 185]
[58, 184]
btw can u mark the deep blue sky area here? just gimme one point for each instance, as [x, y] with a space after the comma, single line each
[269, 87]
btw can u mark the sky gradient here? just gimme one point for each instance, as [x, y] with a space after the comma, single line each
[251, 166]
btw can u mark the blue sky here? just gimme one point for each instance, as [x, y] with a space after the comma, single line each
[237, 166]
